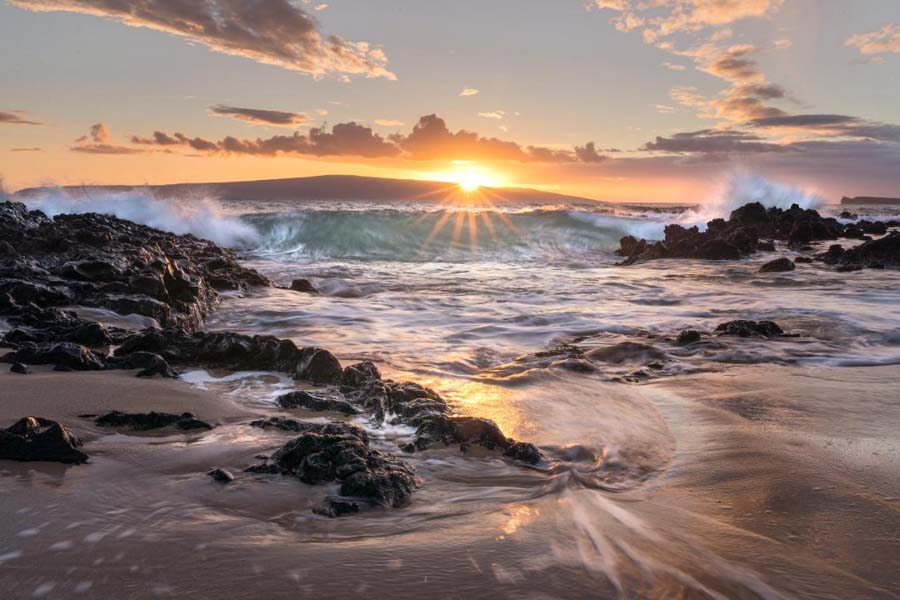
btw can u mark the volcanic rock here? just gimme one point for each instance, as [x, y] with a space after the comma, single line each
[38, 439]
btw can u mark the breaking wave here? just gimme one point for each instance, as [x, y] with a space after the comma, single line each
[418, 233]
[201, 217]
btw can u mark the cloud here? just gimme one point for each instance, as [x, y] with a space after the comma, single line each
[661, 18]
[673, 66]
[588, 153]
[469, 92]
[826, 125]
[274, 32]
[388, 122]
[15, 117]
[886, 39]
[497, 114]
[256, 116]
[783, 44]
[430, 139]
[664, 109]
[321, 6]
[97, 142]
[711, 141]
[35, 149]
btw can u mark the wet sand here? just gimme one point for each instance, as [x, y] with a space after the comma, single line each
[782, 482]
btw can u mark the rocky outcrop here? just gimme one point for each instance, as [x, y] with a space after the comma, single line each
[748, 229]
[303, 286]
[101, 261]
[38, 439]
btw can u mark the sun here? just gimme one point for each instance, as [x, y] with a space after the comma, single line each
[469, 181]
[470, 178]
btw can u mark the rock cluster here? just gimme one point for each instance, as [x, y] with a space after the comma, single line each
[152, 420]
[339, 452]
[750, 228]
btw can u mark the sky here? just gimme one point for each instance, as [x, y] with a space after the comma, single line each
[623, 100]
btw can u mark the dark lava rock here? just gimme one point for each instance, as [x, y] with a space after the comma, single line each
[778, 265]
[221, 475]
[744, 328]
[304, 286]
[341, 452]
[846, 214]
[400, 402]
[803, 260]
[37, 439]
[65, 355]
[687, 337]
[332, 402]
[741, 235]
[20, 368]
[152, 420]
[575, 365]
[444, 430]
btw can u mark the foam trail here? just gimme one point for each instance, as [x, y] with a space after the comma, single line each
[200, 217]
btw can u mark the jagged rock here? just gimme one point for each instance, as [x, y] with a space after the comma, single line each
[152, 420]
[444, 430]
[332, 402]
[778, 265]
[20, 368]
[39, 439]
[221, 475]
[745, 328]
[575, 365]
[341, 452]
[687, 337]
[303, 286]
[803, 259]
[64, 355]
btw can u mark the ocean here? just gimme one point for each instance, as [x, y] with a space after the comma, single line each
[742, 468]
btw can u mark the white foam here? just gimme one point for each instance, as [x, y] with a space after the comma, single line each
[199, 216]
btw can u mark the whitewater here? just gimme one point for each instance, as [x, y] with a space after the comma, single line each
[749, 468]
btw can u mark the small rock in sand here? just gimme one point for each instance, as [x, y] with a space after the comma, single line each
[221, 475]
[779, 265]
[20, 368]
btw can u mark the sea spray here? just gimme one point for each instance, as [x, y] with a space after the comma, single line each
[201, 217]
[740, 188]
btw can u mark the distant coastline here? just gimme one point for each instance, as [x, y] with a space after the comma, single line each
[325, 187]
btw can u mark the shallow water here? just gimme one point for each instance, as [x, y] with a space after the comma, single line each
[735, 468]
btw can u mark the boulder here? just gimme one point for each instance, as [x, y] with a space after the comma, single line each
[445, 431]
[687, 337]
[221, 475]
[20, 368]
[38, 439]
[779, 265]
[304, 286]
[744, 328]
